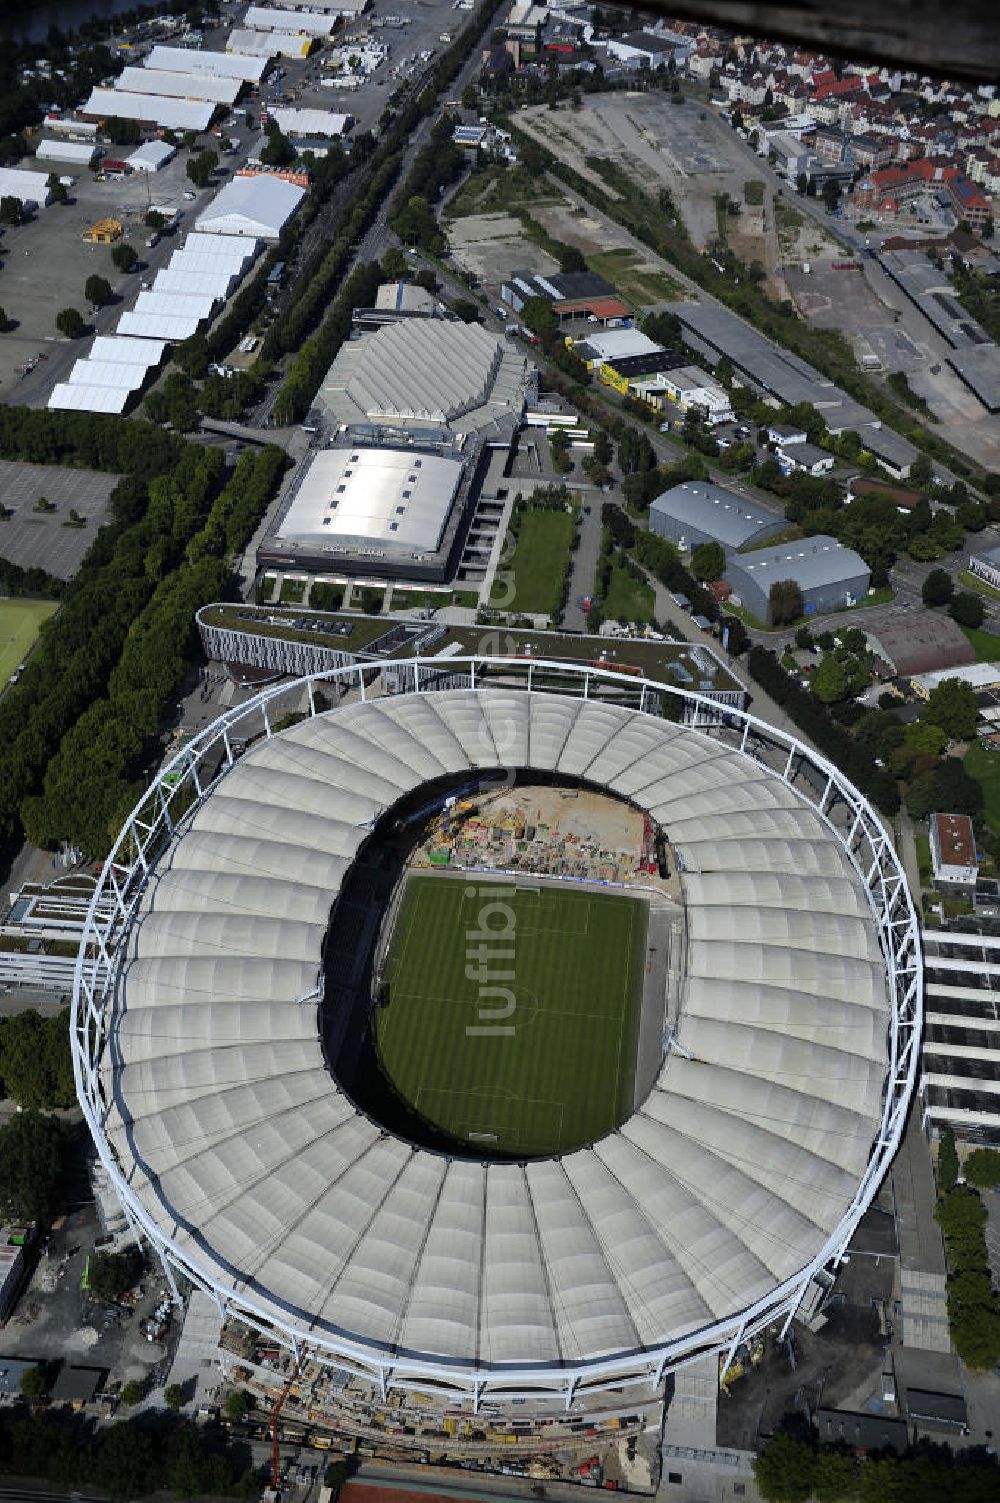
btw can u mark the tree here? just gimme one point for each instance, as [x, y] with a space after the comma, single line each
[200, 168]
[70, 323]
[335, 1476]
[708, 560]
[113, 1274]
[921, 471]
[124, 256]
[34, 1384]
[97, 291]
[4, 321]
[33, 1154]
[394, 263]
[830, 194]
[237, 1406]
[131, 1393]
[967, 609]
[173, 1396]
[60, 193]
[952, 706]
[10, 210]
[784, 1470]
[571, 258]
[830, 680]
[784, 602]
[154, 219]
[279, 151]
[947, 1162]
[803, 638]
[801, 183]
[982, 1167]
[937, 588]
[36, 1068]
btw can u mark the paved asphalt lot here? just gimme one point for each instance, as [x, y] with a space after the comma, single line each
[36, 539]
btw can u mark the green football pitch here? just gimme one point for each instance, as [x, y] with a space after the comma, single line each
[20, 623]
[534, 1064]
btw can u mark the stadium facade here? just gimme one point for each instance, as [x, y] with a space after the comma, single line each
[568, 1286]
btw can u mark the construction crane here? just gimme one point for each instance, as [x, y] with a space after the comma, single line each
[275, 1418]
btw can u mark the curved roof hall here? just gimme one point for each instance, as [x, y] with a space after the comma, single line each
[726, 1181]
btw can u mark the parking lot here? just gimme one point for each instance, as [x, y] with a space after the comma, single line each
[45, 539]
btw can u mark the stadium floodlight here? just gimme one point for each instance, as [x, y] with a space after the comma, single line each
[701, 1220]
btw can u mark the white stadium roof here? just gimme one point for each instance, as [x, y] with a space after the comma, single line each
[394, 499]
[172, 328]
[740, 1170]
[113, 347]
[214, 64]
[298, 122]
[154, 109]
[69, 398]
[179, 85]
[258, 205]
[263, 18]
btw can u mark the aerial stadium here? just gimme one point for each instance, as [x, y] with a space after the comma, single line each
[488, 1142]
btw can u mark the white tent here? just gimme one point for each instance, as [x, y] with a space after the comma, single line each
[268, 44]
[151, 109]
[69, 398]
[263, 18]
[108, 373]
[179, 85]
[294, 122]
[175, 327]
[187, 305]
[29, 187]
[214, 64]
[111, 347]
[258, 205]
[177, 280]
[78, 153]
[151, 156]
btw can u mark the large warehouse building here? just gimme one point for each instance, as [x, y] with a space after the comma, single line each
[371, 505]
[375, 1280]
[829, 575]
[430, 372]
[257, 204]
[696, 511]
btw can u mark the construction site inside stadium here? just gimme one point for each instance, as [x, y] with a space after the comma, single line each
[491, 1048]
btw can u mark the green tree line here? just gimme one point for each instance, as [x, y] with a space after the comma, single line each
[792, 1469]
[36, 1069]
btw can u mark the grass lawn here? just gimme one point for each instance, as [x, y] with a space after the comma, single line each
[923, 845]
[541, 559]
[558, 1069]
[984, 766]
[987, 646]
[642, 288]
[969, 581]
[20, 623]
[489, 190]
[627, 599]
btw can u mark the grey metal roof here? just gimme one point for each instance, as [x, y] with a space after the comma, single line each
[395, 498]
[178, 114]
[710, 508]
[216, 64]
[257, 205]
[728, 1179]
[811, 562]
[177, 85]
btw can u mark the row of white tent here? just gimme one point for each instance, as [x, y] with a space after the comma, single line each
[184, 294]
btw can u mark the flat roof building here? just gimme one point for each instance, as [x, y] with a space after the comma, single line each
[829, 575]
[151, 156]
[27, 187]
[430, 372]
[369, 503]
[76, 153]
[690, 387]
[954, 867]
[699, 512]
[149, 109]
[299, 122]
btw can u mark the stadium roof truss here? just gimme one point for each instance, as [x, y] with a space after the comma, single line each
[764, 782]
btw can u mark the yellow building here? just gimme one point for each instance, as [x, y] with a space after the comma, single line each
[104, 232]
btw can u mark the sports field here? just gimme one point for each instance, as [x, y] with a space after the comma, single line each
[536, 1062]
[20, 623]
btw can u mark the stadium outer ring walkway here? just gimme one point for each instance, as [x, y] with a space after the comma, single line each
[165, 813]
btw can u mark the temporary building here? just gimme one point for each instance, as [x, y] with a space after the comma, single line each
[174, 327]
[179, 85]
[151, 156]
[228, 64]
[268, 44]
[187, 305]
[263, 18]
[149, 109]
[217, 281]
[311, 122]
[29, 187]
[238, 249]
[260, 205]
[78, 153]
[84, 130]
[108, 373]
[69, 398]
[111, 348]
